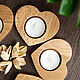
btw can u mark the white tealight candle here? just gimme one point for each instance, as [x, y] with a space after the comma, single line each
[35, 27]
[1, 25]
[50, 59]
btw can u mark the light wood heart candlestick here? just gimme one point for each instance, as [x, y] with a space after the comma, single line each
[6, 21]
[50, 60]
[34, 26]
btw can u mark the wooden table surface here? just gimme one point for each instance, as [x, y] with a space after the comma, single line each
[68, 31]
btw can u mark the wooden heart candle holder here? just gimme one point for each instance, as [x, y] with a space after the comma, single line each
[6, 21]
[27, 77]
[50, 19]
[65, 51]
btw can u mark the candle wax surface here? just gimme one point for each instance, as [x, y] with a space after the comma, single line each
[35, 27]
[50, 59]
[1, 25]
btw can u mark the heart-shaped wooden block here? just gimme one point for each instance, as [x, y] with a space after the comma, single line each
[27, 77]
[27, 12]
[65, 51]
[6, 21]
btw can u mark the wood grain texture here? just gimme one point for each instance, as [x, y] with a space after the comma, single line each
[28, 11]
[27, 77]
[64, 50]
[67, 31]
[7, 17]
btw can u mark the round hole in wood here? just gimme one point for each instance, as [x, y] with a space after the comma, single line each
[50, 59]
[35, 27]
[1, 25]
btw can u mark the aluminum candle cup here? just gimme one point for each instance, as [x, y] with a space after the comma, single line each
[50, 60]
[35, 27]
[1, 25]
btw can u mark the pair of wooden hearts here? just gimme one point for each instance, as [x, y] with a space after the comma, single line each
[22, 15]
[52, 27]
[52, 24]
